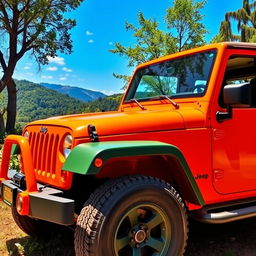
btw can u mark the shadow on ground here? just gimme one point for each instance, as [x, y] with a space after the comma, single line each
[56, 245]
[232, 239]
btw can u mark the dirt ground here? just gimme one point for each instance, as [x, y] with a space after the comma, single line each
[16, 243]
[232, 239]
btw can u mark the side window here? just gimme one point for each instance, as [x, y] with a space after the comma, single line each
[240, 69]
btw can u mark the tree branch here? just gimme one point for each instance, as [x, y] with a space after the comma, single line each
[5, 18]
[2, 61]
[28, 45]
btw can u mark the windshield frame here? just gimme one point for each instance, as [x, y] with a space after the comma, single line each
[134, 85]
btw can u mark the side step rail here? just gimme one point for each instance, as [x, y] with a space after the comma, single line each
[219, 217]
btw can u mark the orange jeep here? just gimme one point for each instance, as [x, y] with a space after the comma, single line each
[181, 144]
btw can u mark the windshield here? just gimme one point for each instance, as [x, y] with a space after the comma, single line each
[183, 77]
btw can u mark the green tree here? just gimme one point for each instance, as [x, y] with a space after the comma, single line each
[246, 24]
[217, 39]
[184, 30]
[151, 43]
[184, 19]
[37, 27]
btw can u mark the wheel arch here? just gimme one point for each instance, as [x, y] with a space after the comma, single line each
[136, 157]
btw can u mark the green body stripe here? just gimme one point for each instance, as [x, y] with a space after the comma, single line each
[82, 157]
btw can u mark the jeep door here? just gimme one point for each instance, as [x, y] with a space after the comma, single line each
[234, 139]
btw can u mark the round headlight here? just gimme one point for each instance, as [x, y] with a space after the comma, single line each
[26, 134]
[67, 144]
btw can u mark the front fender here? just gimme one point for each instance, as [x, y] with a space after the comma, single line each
[82, 158]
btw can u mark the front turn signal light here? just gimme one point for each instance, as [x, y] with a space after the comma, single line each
[22, 203]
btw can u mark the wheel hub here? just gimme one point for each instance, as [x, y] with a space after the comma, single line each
[140, 236]
[143, 230]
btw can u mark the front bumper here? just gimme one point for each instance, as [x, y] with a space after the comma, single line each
[36, 201]
[46, 204]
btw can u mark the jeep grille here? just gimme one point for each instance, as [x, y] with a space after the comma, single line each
[46, 150]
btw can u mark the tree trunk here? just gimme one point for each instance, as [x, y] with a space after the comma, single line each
[11, 106]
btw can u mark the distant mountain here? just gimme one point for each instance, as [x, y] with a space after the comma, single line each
[37, 102]
[84, 95]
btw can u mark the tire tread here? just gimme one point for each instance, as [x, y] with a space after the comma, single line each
[91, 216]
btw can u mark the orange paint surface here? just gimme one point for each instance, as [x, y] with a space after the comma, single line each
[221, 156]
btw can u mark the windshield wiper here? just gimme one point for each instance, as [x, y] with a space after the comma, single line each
[135, 101]
[176, 105]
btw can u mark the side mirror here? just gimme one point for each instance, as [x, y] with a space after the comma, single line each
[235, 95]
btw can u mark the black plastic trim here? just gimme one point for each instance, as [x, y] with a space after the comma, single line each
[47, 204]
[52, 208]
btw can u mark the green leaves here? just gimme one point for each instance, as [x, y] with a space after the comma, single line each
[37, 26]
[183, 21]
[151, 42]
[245, 19]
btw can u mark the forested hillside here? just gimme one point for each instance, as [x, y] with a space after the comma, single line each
[106, 104]
[37, 102]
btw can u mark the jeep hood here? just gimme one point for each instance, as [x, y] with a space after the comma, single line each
[114, 123]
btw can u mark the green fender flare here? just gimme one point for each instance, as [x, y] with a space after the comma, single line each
[82, 157]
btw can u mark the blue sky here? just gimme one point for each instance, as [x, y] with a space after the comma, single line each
[100, 24]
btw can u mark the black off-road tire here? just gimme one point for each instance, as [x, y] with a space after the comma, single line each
[103, 215]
